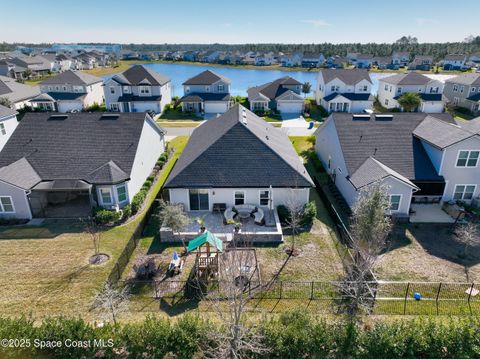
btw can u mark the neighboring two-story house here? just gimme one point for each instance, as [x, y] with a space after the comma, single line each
[207, 92]
[312, 59]
[70, 91]
[8, 124]
[454, 62]
[364, 61]
[430, 91]
[344, 90]
[420, 62]
[291, 60]
[464, 91]
[282, 95]
[423, 158]
[400, 59]
[138, 89]
[65, 165]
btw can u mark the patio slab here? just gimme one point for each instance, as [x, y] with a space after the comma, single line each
[429, 213]
[249, 231]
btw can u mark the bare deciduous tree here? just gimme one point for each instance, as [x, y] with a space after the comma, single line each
[94, 232]
[236, 277]
[294, 219]
[173, 217]
[370, 227]
[469, 235]
[111, 301]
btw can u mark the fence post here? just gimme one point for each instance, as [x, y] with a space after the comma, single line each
[311, 292]
[438, 295]
[405, 302]
[469, 296]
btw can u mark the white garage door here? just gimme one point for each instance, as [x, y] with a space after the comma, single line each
[215, 107]
[432, 107]
[290, 107]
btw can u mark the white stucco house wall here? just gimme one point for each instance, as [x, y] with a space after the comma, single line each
[8, 124]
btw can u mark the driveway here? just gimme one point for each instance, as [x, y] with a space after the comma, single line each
[178, 131]
[297, 127]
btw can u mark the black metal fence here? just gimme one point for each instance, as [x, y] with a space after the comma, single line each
[386, 298]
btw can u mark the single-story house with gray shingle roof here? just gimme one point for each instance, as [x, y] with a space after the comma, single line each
[235, 159]
[70, 91]
[18, 94]
[138, 89]
[207, 92]
[422, 158]
[64, 165]
[282, 95]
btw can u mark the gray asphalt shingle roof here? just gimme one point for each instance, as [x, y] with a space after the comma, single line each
[238, 149]
[141, 75]
[20, 173]
[347, 76]
[6, 112]
[206, 77]
[465, 79]
[273, 89]
[389, 140]
[16, 92]
[76, 146]
[410, 78]
[76, 78]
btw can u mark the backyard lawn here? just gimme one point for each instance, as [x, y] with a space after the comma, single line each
[428, 252]
[45, 269]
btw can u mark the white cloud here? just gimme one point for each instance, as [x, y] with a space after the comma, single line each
[421, 21]
[316, 23]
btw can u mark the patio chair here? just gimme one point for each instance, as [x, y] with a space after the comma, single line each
[259, 216]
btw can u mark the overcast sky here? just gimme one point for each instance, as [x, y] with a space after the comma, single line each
[244, 21]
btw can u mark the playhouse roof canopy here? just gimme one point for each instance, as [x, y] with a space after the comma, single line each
[204, 238]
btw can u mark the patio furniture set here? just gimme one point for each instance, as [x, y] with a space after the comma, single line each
[244, 212]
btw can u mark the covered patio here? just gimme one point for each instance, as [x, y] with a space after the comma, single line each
[61, 199]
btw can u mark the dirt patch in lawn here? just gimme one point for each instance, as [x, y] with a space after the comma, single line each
[428, 252]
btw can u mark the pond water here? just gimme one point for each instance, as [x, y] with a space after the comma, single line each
[243, 78]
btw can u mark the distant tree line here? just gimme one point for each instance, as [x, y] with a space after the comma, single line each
[410, 44]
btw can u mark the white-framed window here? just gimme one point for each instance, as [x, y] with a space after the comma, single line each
[455, 88]
[144, 89]
[386, 87]
[335, 88]
[395, 200]
[365, 88]
[462, 88]
[386, 101]
[258, 106]
[264, 197]
[467, 158]
[6, 205]
[399, 89]
[420, 89]
[434, 89]
[207, 88]
[456, 100]
[78, 89]
[112, 89]
[464, 191]
[187, 89]
[239, 198]
[3, 131]
[114, 107]
[64, 88]
[106, 195]
[472, 89]
[122, 193]
[126, 89]
[220, 88]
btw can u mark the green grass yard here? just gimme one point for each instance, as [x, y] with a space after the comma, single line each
[45, 271]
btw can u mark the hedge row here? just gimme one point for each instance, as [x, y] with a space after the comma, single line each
[291, 335]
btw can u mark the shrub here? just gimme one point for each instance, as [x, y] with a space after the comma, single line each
[283, 214]
[137, 201]
[127, 211]
[145, 267]
[147, 184]
[151, 178]
[160, 163]
[163, 156]
[105, 216]
[309, 212]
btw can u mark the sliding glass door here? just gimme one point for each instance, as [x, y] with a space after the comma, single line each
[199, 200]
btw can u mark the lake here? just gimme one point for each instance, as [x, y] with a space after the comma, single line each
[243, 78]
